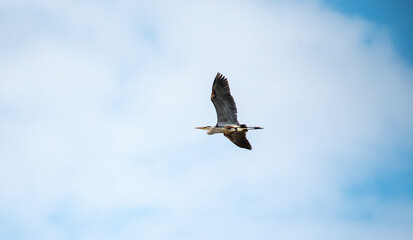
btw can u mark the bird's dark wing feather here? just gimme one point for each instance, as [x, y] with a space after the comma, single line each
[223, 101]
[239, 139]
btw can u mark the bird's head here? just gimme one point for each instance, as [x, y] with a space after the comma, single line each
[204, 128]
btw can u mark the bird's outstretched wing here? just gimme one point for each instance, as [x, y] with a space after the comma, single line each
[223, 101]
[239, 139]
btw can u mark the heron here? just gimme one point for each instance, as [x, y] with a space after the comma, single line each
[227, 115]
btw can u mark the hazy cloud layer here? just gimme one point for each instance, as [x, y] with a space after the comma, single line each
[98, 102]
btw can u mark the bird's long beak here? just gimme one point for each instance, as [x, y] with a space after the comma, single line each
[202, 128]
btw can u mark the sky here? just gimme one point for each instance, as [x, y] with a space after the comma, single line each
[395, 16]
[98, 100]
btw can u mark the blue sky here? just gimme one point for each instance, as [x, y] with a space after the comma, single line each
[395, 16]
[98, 101]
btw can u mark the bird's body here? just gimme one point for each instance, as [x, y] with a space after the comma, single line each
[227, 114]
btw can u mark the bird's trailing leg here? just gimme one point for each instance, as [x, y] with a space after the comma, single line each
[250, 128]
[241, 128]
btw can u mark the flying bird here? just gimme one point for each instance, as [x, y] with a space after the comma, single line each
[227, 115]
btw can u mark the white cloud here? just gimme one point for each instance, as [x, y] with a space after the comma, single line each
[97, 122]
